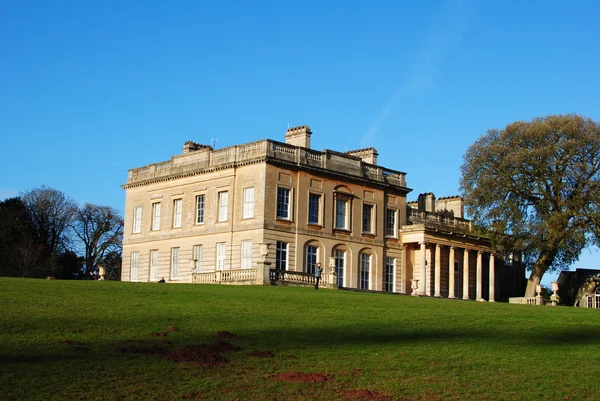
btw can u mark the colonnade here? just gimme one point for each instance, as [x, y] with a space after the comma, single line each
[423, 289]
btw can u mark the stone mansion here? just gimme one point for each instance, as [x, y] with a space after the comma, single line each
[207, 215]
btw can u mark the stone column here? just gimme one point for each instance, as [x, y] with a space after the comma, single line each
[422, 273]
[492, 278]
[438, 271]
[479, 278]
[466, 274]
[451, 289]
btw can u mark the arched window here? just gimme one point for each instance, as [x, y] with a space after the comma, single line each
[365, 261]
[341, 257]
[311, 253]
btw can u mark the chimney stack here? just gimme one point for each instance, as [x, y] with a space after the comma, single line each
[298, 136]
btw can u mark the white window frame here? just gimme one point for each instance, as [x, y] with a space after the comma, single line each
[153, 273]
[223, 206]
[137, 219]
[200, 205]
[248, 208]
[156, 216]
[281, 255]
[389, 263]
[394, 233]
[197, 252]
[175, 263]
[340, 265]
[134, 266]
[371, 218]
[177, 212]
[288, 214]
[310, 264]
[319, 220]
[221, 252]
[365, 278]
[246, 254]
[346, 214]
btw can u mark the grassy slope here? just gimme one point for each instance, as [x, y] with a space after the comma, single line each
[64, 340]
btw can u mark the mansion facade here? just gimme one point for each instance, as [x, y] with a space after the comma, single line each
[204, 213]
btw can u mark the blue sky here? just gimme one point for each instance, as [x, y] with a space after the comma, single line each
[90, 89]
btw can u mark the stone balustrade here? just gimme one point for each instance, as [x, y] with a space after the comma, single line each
[526, 300]
[239, 276]
[439, 220]
[207, 159]
[298, 278]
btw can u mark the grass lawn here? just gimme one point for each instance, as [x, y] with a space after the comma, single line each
[125, 341]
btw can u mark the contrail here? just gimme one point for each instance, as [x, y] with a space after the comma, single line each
[445, 33]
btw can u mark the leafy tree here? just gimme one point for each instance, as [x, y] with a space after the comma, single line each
[535, 186]
[21, 253]
[51, 213]
[100, 231]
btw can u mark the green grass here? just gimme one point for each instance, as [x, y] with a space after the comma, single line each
[66, 340]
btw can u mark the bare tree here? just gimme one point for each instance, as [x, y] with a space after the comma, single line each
[536, 186]
[51, 213]
[100, 230]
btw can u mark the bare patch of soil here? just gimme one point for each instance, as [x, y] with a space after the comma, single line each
[225, 334]
[193, 396]
[77, 345]
[146, 350]
[301, 377]
[366, 395]
[173, 328]
[161, 334]
[261, 354]
[204, 355]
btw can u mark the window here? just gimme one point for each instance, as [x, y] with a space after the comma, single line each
[246, 254]
[340, 259]
[223, 205]
[390, 223]
[341, 214]
[197, 258]
[312, 257]
[221, 256]
[314, 209]
[137, 219]
[177, 206]
[281, 252]
[135, 258]
[283, 203]
[388, 279]
[153, 265]
[367, 226]
[248, 203]
[365, 267]
[156, 216]
[200, 209]
[174, 263]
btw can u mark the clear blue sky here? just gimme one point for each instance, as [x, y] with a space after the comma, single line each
[90, 89]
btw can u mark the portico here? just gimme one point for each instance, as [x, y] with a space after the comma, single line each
[449, 264]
